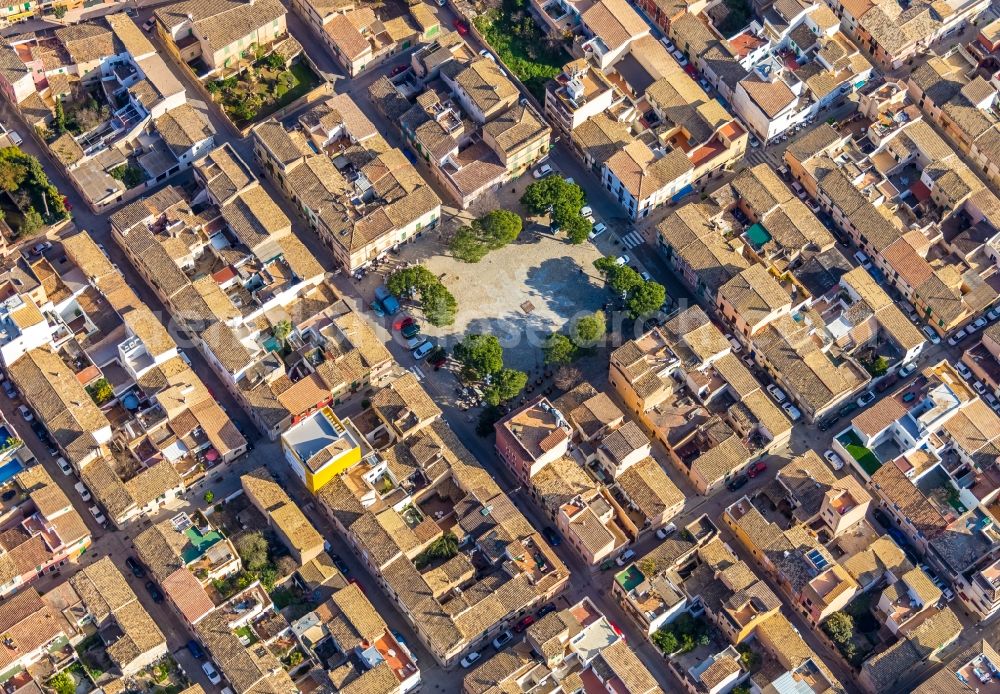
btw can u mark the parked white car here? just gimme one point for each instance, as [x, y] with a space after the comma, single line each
[625, 557]
[835, 460]
[666, 531]
[213, 675]
[82, 491]
[929, 333]
[776, 392]
[98, 516]
[598, 229]
[963, 371]
[792, 411]
[541, 172]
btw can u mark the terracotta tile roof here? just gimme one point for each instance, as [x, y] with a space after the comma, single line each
[624, 663]
[615, 22]
[27, 623]
[650, 488]
[261, 487]
[86, 42]
[486, 86]
[771, 97]
[159, 547]
[182, 128]
[188, 595]
[56, 396]
[222, 22]
[879, 416]
[896, 489]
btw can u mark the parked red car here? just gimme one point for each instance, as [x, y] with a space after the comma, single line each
[399, 69]
[402, 322]
[461, 27]
[525, 622]
[756, 468]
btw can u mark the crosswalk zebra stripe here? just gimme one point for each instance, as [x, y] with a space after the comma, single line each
[417, 372]
[632, 239]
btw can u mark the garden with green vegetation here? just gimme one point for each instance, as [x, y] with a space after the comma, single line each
[28, 200]
[866, 459]
[513, 33]
[854, 630]
[262, 88]
[682, 635]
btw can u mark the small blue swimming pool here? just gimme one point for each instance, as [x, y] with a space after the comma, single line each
[8, 471]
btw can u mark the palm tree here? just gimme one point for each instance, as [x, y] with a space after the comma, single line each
[282, 330]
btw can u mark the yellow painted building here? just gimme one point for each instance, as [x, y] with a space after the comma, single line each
[320, 447]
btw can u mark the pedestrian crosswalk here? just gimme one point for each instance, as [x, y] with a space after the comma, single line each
[415, 370]
[631, 239]
[764, 156]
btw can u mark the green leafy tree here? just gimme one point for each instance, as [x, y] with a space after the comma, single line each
[605, 265]
[577, 228]
[499, 228]
[409, 281]
[209, 496]
[559, 349]
[740, 689]
[443, 548]
[504, 385]
[268, 576]
[839, 627]
[32, 222]
[646, 298]
[439, 305]
[100, 391]
[282, 329]
[666, 641]
[688, 643]
[880, 366]
[493, 230]
[59, 118]
[63, 683]
[59, 11]
[554, 194]
[589, 329]
[252, 548]
[480, 355]
[624, 280]
[539, 195]
[749, 658]
[295, 658]
[129, 175]
[466, 246]
[12, 175]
